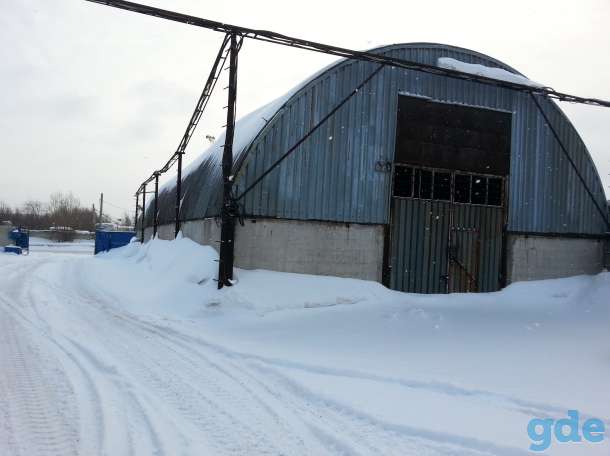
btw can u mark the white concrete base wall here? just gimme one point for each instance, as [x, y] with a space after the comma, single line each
[310, 247]
[539, 257]
[4, 235]
[205, 232]
[356, 251]
[306, 247]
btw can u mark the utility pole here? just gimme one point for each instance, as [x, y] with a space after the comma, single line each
[101, 206]
[155, 214]
[178, 193]
[135, 219]
[227, 229]
[143, 210]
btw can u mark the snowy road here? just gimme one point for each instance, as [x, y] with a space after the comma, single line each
[82, 375]
[109, 383]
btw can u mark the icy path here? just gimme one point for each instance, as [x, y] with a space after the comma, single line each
[79, 374]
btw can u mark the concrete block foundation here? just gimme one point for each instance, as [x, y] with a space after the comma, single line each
[205, 232]
[541, 257]
[323, 248]
[308, 247]
[355, 250]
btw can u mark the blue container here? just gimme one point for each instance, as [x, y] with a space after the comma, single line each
[108, 240]
[13, 249]
[21, 238]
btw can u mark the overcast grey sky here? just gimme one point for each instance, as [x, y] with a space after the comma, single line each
[94, 99]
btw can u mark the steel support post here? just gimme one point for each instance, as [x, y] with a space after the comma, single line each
[227, 230]
[178, 193]
[143, 210]
[156, 205]
[135, 220]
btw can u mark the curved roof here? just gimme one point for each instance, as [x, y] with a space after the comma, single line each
[255, 144]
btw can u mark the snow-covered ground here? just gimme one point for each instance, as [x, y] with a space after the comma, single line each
[136, 352]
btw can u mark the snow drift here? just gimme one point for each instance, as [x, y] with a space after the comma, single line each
[470, 369]
[135, 351]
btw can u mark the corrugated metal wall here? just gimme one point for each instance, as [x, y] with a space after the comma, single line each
[332, 176]
[419, 256]
[488, 221]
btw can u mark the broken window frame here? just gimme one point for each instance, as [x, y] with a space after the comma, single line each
[416, 173]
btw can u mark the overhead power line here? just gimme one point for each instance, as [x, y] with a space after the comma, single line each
[115, 206]
[285, 40]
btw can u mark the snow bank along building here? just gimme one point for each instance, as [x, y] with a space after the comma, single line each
[425, 183]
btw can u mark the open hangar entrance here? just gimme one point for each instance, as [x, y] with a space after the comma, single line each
[448, 201]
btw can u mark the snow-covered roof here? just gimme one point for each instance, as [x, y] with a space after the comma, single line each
[486, 71]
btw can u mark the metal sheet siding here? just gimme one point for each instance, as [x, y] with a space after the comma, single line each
[332, 175]
[419, 245]
[488, 220]
[420, 240]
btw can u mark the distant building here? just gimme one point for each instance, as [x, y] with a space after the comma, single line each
[425, 183]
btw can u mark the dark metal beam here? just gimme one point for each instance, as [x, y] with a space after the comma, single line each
[143, 210]
[156, 205]
[135, 220]
[285, 40]
[227, 230]
[178, 194]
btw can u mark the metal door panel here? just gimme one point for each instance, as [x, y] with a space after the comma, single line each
[420, 240]
[419, 245]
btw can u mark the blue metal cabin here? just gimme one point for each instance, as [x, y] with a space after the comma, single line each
[348, 173]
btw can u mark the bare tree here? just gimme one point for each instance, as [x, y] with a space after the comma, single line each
[35, 215]
[6, 212]
[63, 211]
[63, 208]
[34, 208]
[126, 219]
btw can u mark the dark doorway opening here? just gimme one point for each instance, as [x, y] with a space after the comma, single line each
[449, 136]
[449, 191]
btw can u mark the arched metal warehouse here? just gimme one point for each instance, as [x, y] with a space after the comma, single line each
[425, 183]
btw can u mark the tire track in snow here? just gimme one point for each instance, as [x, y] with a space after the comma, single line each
[88, 418]
[365, 431]
[529, 408]
[210, 401]
[405, 440]
[218, 407]
[152, 389]
[35, 404]
[101, 404]
[347, 431]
